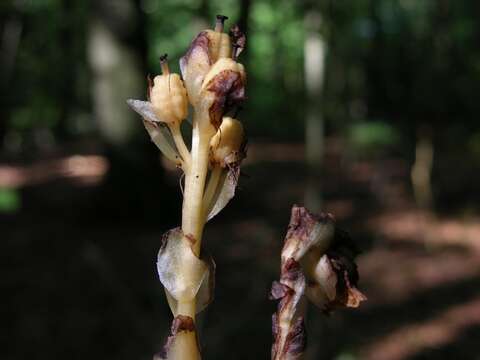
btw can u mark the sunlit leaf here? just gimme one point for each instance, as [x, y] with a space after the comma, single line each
[158, 131]
[225, 191]
[172, 257]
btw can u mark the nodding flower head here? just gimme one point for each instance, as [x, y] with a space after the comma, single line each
[169, 96]
[226, 84]
[215, 82]
[327, 257]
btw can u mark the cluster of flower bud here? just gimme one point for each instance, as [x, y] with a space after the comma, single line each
[215, 82]
[169, 96]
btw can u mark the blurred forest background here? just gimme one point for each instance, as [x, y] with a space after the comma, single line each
[367, 109]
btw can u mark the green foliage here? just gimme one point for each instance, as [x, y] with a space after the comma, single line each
[10, 200]
[474, 145]
[372, 137]
[407, 61]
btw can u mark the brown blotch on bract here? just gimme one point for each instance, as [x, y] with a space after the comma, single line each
[229, 89]
[180, 323]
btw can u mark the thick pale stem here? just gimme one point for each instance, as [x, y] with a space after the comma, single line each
[192, 215]
[186, 347]
[193, 221]
[180, 143]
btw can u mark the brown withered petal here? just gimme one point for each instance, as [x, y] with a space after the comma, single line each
[347, 277]
[195, 65]
[229, 89]
[307, 231]
[199, 44]
[239, 40]
[278, 291]
[291, 271]
[296, 340]
[317, 263]
[287, 324]
[275, 330]
[354, 296]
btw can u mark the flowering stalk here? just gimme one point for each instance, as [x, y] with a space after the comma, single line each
[318, 265]
[214, 84]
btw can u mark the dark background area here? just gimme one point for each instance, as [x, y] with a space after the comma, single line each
[367, 109]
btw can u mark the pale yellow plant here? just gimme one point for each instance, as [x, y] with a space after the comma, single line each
[213, 84]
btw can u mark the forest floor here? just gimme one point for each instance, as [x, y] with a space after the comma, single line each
[79, 281]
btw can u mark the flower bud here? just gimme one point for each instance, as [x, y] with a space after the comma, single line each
[169, 97]
[226, 144]
[205, 50]
[195, 64]
[226, 82]
[219, 46]
[224, 64]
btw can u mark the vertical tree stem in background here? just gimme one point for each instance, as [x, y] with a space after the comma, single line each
[315, 53]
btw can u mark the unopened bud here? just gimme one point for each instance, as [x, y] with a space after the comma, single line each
[220, 22]
[224, 64]
[226, 83]
[204, 51]
[168, 96]
[219, 46]
[226, 144]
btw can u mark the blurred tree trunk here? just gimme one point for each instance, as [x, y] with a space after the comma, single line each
[11, 33]
[117, 57]
[117, 63]
[68, 43]
[421, 172]
[73, 98]
[315, 54]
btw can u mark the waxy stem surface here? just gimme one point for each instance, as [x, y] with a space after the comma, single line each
[193, 221]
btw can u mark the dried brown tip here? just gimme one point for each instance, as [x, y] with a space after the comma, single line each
[220, 23]
[238, 41]
[164, 64]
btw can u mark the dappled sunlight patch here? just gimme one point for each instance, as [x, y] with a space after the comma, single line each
[84, 170]
[413, 272]
[421, 227]
[412, 339]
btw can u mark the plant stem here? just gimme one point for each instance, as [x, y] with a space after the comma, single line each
[180, 143]
[193, 220]
[195, 178]
[186, 346]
